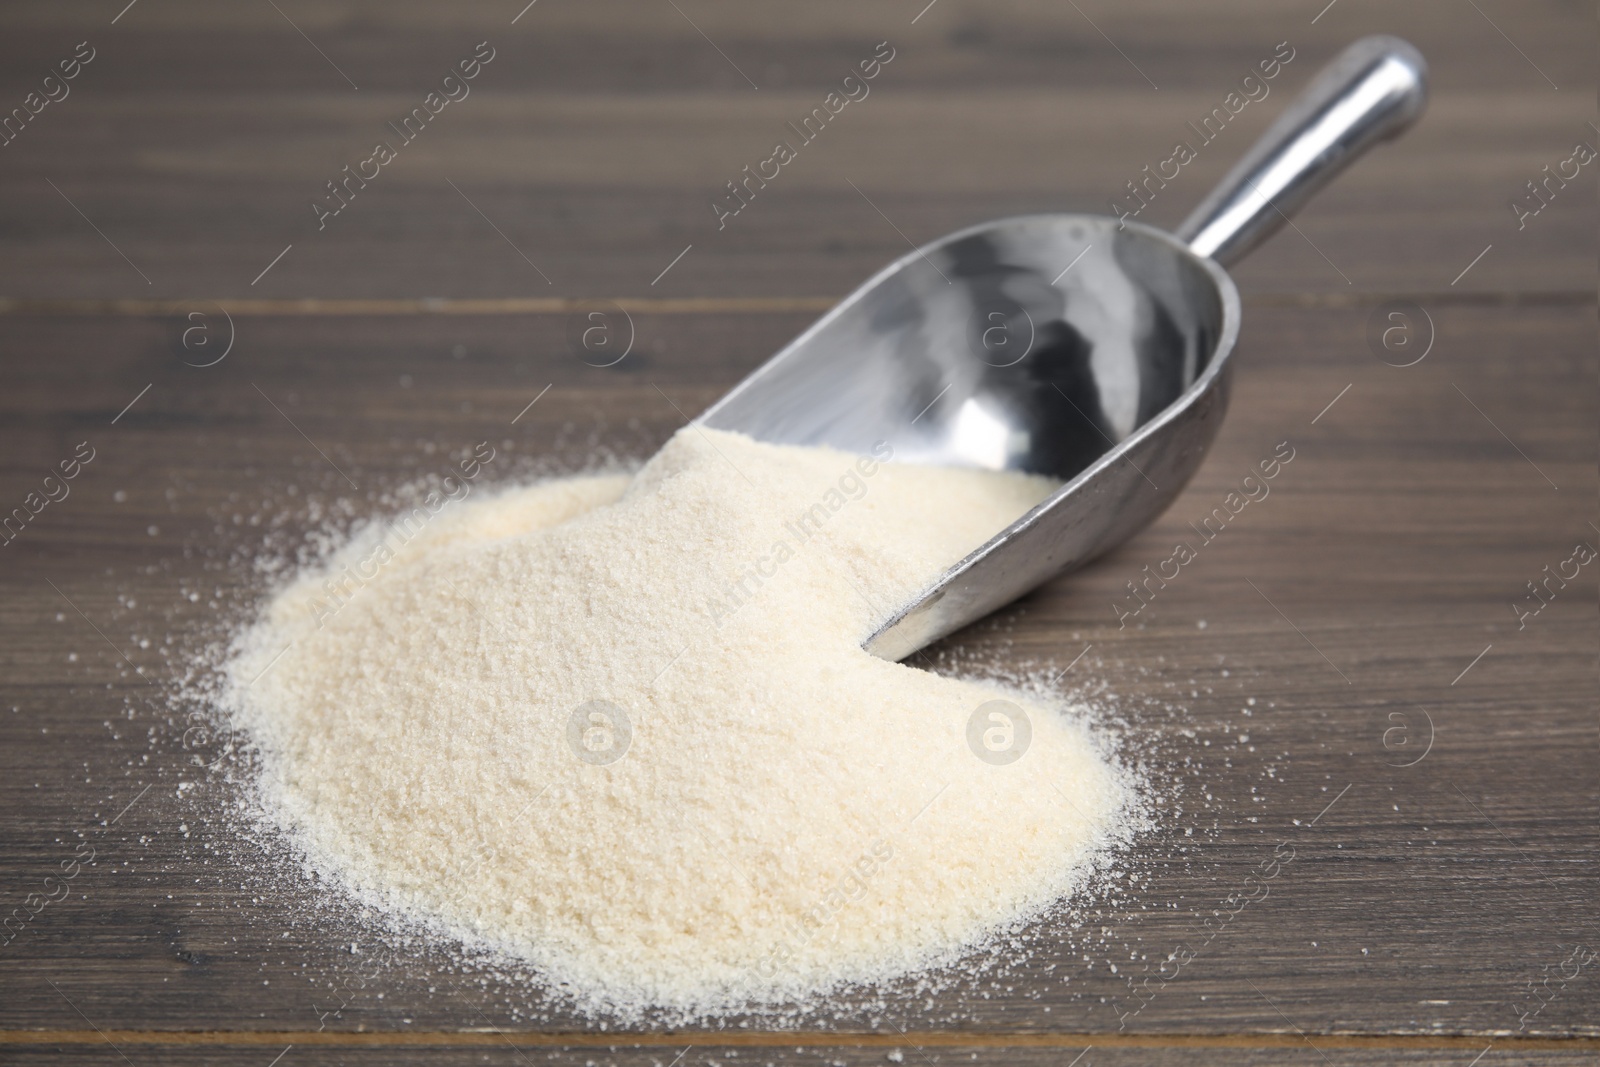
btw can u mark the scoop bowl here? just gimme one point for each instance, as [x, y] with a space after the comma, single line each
[1088, 348]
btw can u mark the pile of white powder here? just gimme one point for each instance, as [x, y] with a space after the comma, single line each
[622, 728]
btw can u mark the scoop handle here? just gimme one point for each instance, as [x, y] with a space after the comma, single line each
[1370, 92]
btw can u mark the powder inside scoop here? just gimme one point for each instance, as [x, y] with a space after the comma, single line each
[623, 728]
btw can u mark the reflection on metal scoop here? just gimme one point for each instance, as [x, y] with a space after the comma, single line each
[1076, 346]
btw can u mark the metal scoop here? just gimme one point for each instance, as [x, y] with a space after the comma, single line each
[1088, 348]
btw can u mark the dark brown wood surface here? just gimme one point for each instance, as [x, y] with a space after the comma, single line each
[1281, 689]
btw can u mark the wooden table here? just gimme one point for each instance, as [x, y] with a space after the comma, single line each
[1341, 676]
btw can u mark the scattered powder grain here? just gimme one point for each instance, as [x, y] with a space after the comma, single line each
[621, 728]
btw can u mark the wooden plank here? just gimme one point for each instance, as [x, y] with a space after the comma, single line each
[1395, 541]
[511, 1049]
[196, 146]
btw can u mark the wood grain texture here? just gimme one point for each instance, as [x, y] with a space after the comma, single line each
[1277, 689]
[599, 136]
[500, 1049]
